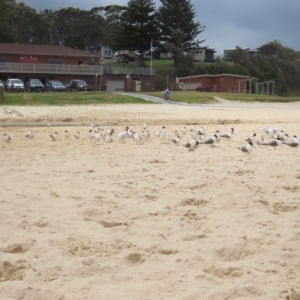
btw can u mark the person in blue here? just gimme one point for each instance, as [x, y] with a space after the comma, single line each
[167, 95]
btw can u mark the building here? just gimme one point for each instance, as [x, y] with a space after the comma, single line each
[48, 62]
[205, 54]
[218, 83]
[250, 52]
[166, 55]
[103, 50]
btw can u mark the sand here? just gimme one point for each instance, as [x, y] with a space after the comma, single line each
[150, 221]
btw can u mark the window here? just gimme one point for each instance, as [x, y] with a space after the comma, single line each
[56, 62]
[135, 78]
[2, 59]
[91, 62]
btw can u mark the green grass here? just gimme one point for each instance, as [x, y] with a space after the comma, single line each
[66, 98]
[256, 97]
[202, 98]
[86, 98]
[187, 97]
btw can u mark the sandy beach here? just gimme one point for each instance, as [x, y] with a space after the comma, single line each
[152, 221]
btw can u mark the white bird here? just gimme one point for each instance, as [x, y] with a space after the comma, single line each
[295, 139]
[6, 138]
[145, 126]
[270, 131]
[122, 136]
[281, 134]
[29, 135]
[183, 130]
[138, 139]
[294, 142]
[251, 138]
[217, 134]
[77, 135]
[108, 139]
[228, 135]
[91, 134]
[96, 137]
[193, 134]
[201, 131]
[163, 134]
[67, 134]
[146, 134]
[129, 132]
[246, 149]
[53, 136]
[157, 134]
[285, 138]
[260, 141]
[96, 128]
[273, 143]
[102, 133]
[210, 141]
[176, 140]
[192, 145]
[110, 131]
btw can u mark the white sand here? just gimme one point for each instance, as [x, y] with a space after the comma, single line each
[155, 221]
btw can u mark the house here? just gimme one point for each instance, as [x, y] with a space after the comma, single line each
[268, 51]
[204, 54]
[201, 54]
[251, 52]
[49, 62]
[166, 55]
[217, 83]
[103, 50]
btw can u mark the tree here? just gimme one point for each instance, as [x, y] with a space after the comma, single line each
[179, 14]
[6, 34]
[22, 20]
[137, 27]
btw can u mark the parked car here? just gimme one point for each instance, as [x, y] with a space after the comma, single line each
[55, 86]
[77, 85]
[14, 85]
[34, 85]
[1, 86]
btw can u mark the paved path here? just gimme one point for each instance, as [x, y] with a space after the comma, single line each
[222, 103]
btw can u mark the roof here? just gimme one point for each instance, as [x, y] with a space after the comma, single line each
[33, 49]
[218, 75]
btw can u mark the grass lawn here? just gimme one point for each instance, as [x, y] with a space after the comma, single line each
[196, 97]
[67, 98]
[85, 98]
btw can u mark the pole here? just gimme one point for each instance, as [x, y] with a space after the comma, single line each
[151, 55]
[167, 81]
[51, 36]
[96, 80]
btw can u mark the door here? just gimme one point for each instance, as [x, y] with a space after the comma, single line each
[115, 85]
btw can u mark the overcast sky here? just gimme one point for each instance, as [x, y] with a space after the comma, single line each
[228, 24]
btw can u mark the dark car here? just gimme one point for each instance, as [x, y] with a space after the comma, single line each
[55, 86]
[78, 85]
[34, 85]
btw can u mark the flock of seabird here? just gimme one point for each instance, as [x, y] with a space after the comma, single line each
[272, 137]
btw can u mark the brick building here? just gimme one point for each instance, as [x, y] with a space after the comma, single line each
[218, 83]
[49, 62]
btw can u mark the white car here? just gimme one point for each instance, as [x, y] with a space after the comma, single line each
[14, 84]
[1, 85]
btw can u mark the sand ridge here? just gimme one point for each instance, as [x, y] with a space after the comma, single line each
[150, 221]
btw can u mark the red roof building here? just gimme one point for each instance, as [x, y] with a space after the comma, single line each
[218, 83]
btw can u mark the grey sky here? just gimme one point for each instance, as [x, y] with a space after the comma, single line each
[228, 24]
